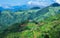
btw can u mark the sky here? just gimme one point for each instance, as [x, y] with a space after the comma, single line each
[7, 3]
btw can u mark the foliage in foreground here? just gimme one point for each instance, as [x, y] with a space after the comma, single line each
[48, 28]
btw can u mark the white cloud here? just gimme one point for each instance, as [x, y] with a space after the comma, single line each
[38, 3]
[34, 3]
[30, 2]
[57, 1]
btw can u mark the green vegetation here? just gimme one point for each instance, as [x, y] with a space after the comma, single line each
[45, 29]
[36, 23]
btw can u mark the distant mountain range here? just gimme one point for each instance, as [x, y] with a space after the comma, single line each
[24, 7]
[17, 8]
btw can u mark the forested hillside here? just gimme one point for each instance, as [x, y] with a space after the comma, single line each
[33, 23]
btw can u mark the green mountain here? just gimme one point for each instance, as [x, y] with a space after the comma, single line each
[33, 23]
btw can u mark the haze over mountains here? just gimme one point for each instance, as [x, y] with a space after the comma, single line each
[28, 5]
[16, 8]
[22, 7]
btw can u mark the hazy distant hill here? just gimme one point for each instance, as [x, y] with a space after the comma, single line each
[55, 5]
[35, 8]
[16, 8]
[1, 9]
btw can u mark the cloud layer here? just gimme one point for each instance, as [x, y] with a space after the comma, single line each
[7, 4]
[57, 1]
[40, 2]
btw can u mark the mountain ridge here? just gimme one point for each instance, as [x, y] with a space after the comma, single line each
[9, 18]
